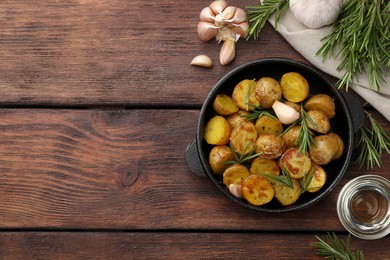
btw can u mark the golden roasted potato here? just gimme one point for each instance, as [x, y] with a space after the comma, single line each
[243, 138]
[321, 102]
[324, 150]
[295, 87]
[235, 174]
[340, 145]
[217, 131]
[267, 91]
[238, 118]
[270, 146]
[257, 190]
[287, 195]
[268, 125]
[321, 121]
[260, 166]
[296, 106]
[291, 136]
[244, 95]
[218, 155]
[318, 180]
[297, 164]
[224, 105]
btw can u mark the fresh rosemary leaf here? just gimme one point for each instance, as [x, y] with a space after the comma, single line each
[259, 14]
[257, 113]
[248, 94]
[283, 179]
[335, 248]
[243, 157]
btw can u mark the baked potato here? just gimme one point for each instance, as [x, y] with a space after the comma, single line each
[324, 149]
[218, 155]
[295, 87]
[268, 125]
[257, 190]
[270, 146]
[244, 95]
[286, 195]
[260, 166]
[238, 118]
[235, 174]
[321, 121]
[224, 105]
[296, 164]
[217, 131]
[318, 180]
[243, 138]
[296, 106]
[340, 145]
[321, 102]
[267, 91]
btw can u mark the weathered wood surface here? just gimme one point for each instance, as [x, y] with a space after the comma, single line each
[171, 245]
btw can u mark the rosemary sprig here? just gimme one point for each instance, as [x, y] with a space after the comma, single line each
[283, 179]
[370, 144]
[239, 159]
[257, 113]
[335, 248]
[304, 139]
[362, 34]
[306, 179]
[259, 14]
[247, 103]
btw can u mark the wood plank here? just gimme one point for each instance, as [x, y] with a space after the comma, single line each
[113, 52]
[171, 245]
[124, 169]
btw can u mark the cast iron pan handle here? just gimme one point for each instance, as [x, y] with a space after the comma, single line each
[193, 159]
[356, 109]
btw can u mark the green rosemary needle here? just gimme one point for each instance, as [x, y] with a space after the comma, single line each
[335, 248]
[283, 179]
[239, 159]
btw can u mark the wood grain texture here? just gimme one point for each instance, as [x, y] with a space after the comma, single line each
[113, 52]
[124, 169]
[171, 245]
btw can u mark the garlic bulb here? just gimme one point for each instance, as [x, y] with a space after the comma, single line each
[315, 13]
[225, 23]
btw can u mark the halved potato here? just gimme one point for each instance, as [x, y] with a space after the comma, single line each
[218, 155]
[321, 102]
[324, 149]
[238, 118]
[267, 91]
[340, 145]
[224, 105]
[287, 195]
[270, 146]
[244, 95]
[257, 190]
[243, 138]
[291, 136]
[235, 174]
[295, 87]
[268, 125]
[217, 131]
[260, 166]
[318, 180]
[321, 121]
[297, 164]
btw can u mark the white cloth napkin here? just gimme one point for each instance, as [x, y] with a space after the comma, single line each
[308, 41]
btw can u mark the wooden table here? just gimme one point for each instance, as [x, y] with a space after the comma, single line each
[98, 104]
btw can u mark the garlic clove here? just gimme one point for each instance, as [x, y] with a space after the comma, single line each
[286, 114]
[241, 29]
[228, 52]
[236, 190]
[229, 12]
[239, 16]
[207, 15]
[202, 61]
[207, 31]
[218, 6]
[315, 14]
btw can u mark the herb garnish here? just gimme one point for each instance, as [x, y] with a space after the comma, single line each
[335, 248]
[283, 179]
[239, 159]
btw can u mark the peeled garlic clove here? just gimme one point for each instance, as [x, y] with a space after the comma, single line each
[315, 13]
[218, 6]
[207, 15]
[241, 29]
[236, 190]
[206, 31]
[202, 61]
[286, 114]
[228, 52]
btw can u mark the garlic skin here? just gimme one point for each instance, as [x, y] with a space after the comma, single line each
[224, 23]
[315, 13]
[202, 61]
[286, 114]
[236, 190]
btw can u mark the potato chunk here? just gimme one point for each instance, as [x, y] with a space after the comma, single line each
[218, 155]
[287, 195]
[243, 138]
[318, 180]
[235, 174]
[270, 146]
[257, 190]
[260, 166]
[268, 125]
[217, 131]
[297, 164]
[224, 105]
[244, 95]
[324, 150]
[267, 91]
[238, 118]
[320, 120]
[340, 145]
[322, 102]
[295, 87]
